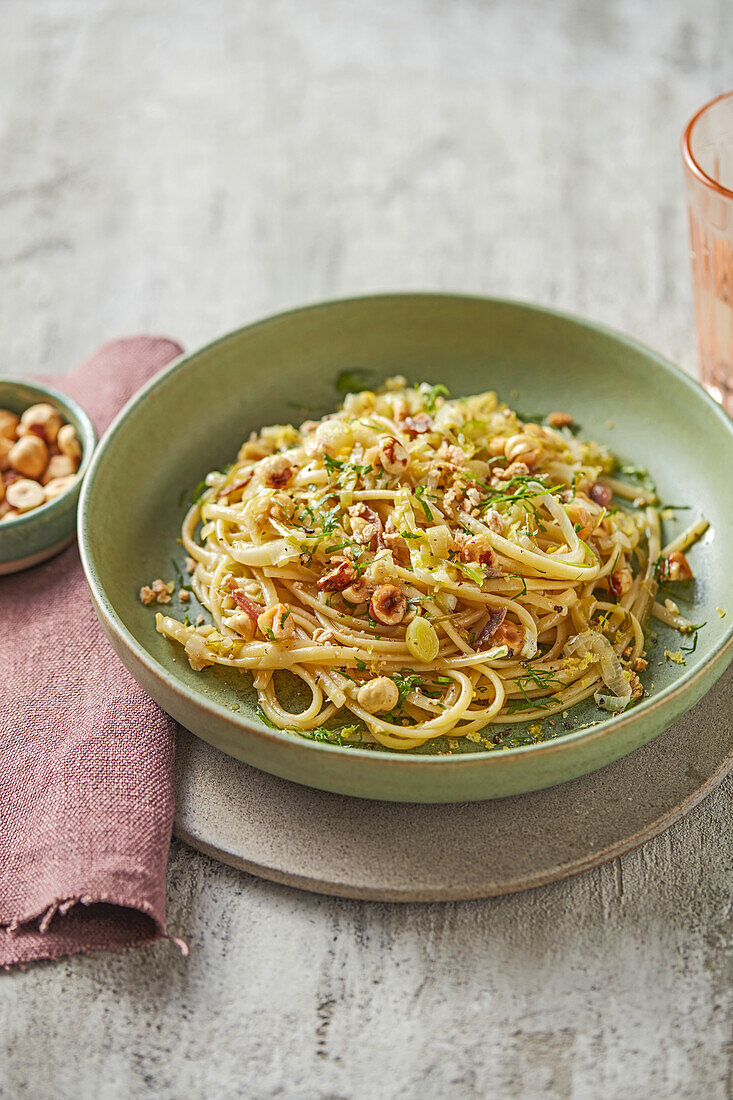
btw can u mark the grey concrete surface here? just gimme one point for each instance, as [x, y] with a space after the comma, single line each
[184, 167]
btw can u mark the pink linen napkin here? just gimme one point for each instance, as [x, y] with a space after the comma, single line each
[86, 758]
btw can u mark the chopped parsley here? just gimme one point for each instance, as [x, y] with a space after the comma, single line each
[432, 395]
[406, 682]
[694, 630]
[199, 492]
[419, 495]
[536, 678]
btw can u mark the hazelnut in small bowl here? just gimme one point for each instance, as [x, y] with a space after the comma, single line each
[46, 444]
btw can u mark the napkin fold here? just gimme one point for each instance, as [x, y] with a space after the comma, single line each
[86, 757]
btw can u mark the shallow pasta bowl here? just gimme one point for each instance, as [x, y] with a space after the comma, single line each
[195, 414]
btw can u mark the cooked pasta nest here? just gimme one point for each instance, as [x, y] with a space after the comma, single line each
[425, 567]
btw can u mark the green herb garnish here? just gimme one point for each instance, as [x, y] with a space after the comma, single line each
[199, 492]
[433, 394]
[640, 475]
[419, 494]
[694, 630]
[353, 381]
[406, 682]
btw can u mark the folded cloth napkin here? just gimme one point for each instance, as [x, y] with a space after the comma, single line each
[86, 758]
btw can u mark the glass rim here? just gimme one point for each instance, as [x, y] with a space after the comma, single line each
[688, 155]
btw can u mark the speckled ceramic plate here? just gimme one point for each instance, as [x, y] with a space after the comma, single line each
[194, 415]
[357, 848]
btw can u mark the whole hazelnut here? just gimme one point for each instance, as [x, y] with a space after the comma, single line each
[29, 456]
[6, 446]
[25, 494]
[58, 466]
[68, 443]
[58, 485]
[8, 424]
[42, 420]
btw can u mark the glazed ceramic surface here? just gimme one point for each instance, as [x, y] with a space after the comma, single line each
[387, 852]
[193, 417]
[37, 535]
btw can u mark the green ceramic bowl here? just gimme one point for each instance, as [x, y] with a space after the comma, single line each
[37, 535]
[194, 415]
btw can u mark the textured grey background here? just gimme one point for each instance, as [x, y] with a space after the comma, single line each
[184, 167]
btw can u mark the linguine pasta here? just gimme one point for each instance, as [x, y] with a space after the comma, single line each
[424, 567]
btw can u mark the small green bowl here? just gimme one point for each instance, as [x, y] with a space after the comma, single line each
[37, 535]
[194, 415]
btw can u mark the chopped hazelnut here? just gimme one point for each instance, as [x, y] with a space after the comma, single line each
[162, 591]
[478, 549]
[358, 592]
[242, 623]
[620, 581]
[510, 635]
[275, 471]
[392, 455]
[494, 521]
[559, 420]
[417, 425]
[637, 689]
[338, 579]
[522, 448]
[276, 621]
[678, 567]
[399, 548]
[514, 469]
[388, 605]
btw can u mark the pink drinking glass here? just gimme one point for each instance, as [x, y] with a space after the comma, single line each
[707, 152]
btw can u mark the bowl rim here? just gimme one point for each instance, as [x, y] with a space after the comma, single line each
[721, 652]
[89, 447]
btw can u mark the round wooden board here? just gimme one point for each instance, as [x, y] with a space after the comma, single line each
[387, 851]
